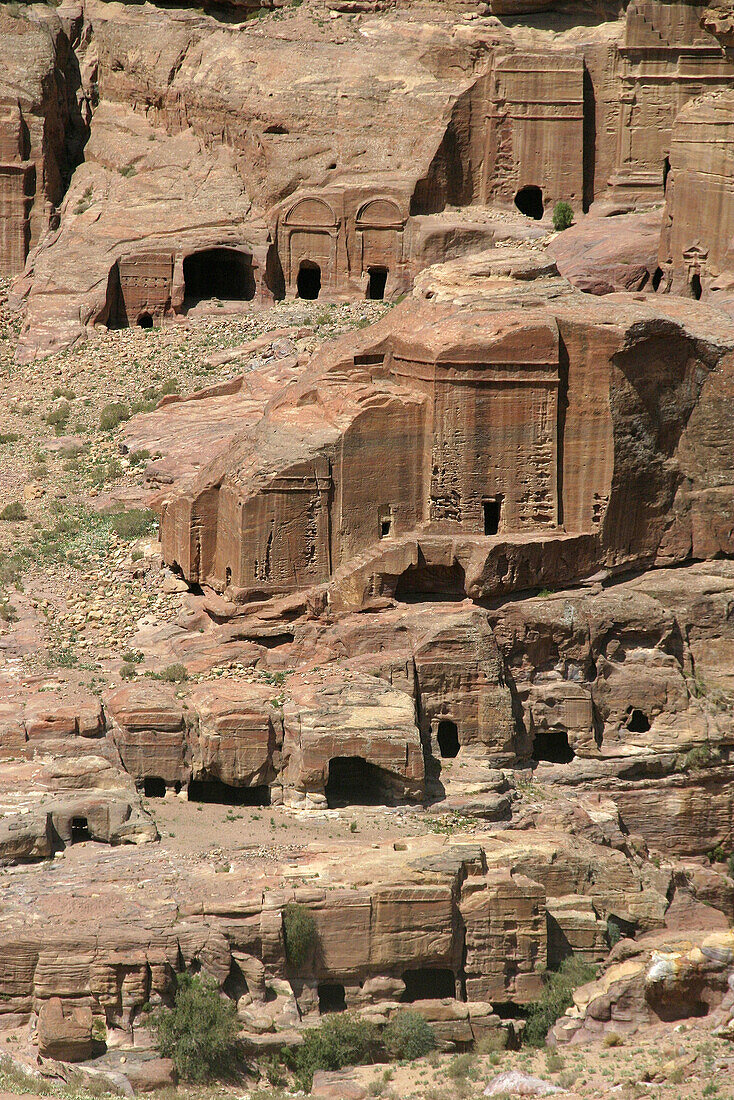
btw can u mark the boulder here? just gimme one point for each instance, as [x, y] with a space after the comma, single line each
[64, 1031]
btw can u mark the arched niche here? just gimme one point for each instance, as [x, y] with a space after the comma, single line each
[311, 212]
[379, 225]
[310, 230]
[379, 213]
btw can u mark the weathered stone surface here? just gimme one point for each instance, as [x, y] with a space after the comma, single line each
[149, 730]
[64, 1031]
[317, 456]
[236, 735]
[665, 980]
[605, 255]
[698, 224]
[337, 1086]
[43, 124]
[340, 715]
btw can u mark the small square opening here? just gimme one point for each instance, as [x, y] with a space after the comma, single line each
[492, 510]
[385, 528]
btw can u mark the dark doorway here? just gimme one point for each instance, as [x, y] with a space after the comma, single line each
[696, 287]
[529, 201]
[154, 787]
[213, 790]
[145, 321]
[385, 528]
[428, 984]
[666, 173]
[492, 510]
[353, 781]
[553, 747]
[235, 985]
[80, 830]
[377, 283]
[116, 312]
[309, 281]
[637, 721]
[657, 278]
[424, 581]
[332, 997]
[448, 739]
[218, 273]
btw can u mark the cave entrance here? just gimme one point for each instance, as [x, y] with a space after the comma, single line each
[145, 321]
[695, 286]
[553, 747]
[332, 997]
[80, 830]
[448, 739]
[529, 201]
[353, 781]
[213, 790]
[424, 581]
[218, 273]
[309, 281]
[666, 173]
[636, 720]
[657, 278]
[377, 283]
[428, 984]
[154, 787]
[492, 512]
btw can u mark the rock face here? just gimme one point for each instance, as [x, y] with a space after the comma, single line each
[470, 565]
[309, 497]
[64, 1033]
[495, 119]
[697, 245]
[662, 981]
[339, 720]
[394, 926]
[43, 125]
[602, 256]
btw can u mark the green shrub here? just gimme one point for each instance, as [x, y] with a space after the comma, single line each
[137, 457]
[9, 437]
[112, 415]
[14, 512]
[343, 1039]
[614, 932]
[461, 1067]
[58, 417]
[63, 657]
[556, 997]
[128, 672]
[132, 656]
[8, 614]
[172, 674]
[408, 1036]
[301, 937]
[701, 756]
[133, 524]
[562, 216]
[200, 1032]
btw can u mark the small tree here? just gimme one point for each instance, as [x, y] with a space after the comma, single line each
[299, 929]
[200, 1032]
[14, 512]
[557, 996]
[343, 1039]
[408, 1036]
[562, 216]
